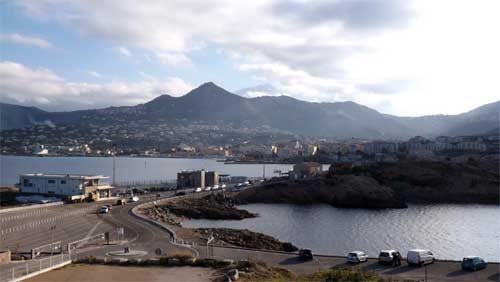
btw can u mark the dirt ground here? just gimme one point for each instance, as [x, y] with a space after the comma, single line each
[84, 272]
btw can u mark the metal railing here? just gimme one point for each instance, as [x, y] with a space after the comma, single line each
[17, 270]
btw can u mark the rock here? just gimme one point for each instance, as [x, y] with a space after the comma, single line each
[208, 207]
[342, 191]
[247, 239]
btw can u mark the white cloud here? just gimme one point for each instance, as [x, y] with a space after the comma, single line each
[124, 51]
[174, 59]
[94, 74]
[318, 50]
[26, 40]
[42, 87]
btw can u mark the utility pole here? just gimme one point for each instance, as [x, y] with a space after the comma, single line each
[114, 164]
[263, 171]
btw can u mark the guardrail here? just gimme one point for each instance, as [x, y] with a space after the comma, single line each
[174, 240]
[18, 271]
[37, 206]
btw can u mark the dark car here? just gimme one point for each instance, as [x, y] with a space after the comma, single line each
[305, 255]
[473, 263]
[181, 193]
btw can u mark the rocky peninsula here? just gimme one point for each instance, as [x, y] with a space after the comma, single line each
[213, 206]
[348, 191]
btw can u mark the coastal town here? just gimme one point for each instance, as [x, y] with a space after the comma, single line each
[229, 144]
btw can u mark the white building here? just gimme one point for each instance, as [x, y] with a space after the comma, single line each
[71, 187]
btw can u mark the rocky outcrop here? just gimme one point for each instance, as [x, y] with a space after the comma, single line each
[472, 181]
[246, 239]
[208, 207]
[341, 191]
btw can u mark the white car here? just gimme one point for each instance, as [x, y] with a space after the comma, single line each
[133, 199]
[386, 256]
[419, 257]
[223, 186]
[215, 187]
[208, 188]
[104, 209]
[357, 257]
[197, 190]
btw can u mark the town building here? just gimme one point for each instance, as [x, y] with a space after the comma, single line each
[197, 178]
[191, 178]
[211, 178]
[68, 186]
[305, 170]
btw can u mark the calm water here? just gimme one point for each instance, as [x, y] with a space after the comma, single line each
[450, 231]
[127, 169]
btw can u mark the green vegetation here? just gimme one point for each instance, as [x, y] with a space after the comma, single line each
[339, 274]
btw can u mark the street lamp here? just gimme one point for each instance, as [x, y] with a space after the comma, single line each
[52, 228]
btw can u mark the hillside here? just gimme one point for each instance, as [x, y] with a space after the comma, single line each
[13, 116]
[211, 103]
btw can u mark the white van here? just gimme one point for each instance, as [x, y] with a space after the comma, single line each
[419, 257]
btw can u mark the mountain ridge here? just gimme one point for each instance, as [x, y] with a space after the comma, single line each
[211, 103]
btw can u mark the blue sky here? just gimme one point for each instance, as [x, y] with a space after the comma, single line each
[400, 57]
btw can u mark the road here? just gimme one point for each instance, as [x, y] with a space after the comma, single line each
[74, 222]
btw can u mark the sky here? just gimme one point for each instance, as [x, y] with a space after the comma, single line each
[401, 57]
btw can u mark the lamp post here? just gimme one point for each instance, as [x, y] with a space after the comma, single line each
[52, 228]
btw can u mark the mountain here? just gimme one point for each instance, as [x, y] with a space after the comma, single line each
[476, 122]
[212, 104]
[14, 116]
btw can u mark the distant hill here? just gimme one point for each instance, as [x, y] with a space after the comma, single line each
[211, 103]
[14, 116]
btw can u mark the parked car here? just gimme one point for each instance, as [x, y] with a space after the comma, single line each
[109, 206]
[133, 199]
[357, 257]
[473, 263]
[208, 188]
[419, 257]
[197, 190]
[158, 196]
[305, 255]
[389, 257]
[223, 186]
[104, 209]
[215, 187]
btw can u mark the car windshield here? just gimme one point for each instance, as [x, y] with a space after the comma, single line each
[384, 254]
[353, 254]
[467, 259]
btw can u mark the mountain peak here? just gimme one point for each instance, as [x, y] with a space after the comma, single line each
[210, 89]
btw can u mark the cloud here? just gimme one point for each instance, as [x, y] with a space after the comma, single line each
[26, 40]
[353, 14]
[124, 51]
[44, 88]
[316, 50]
[174, 59]
[94, 74]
